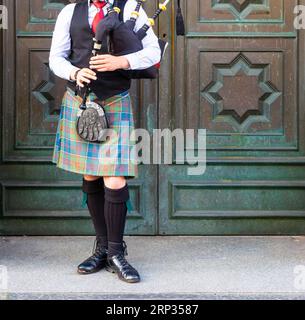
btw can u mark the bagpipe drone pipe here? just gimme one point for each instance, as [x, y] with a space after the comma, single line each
[116, 37]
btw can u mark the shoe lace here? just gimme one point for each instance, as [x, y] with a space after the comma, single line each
[97, 248]
[125, 253]
[124, 263]
[121, 256]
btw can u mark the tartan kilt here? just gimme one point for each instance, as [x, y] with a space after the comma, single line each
[113, 157]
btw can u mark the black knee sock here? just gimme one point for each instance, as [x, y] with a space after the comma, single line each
[95, 202]
[115, 215]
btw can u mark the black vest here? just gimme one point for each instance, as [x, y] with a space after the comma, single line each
[108, 83]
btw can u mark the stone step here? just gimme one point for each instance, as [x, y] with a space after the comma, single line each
[171, 267]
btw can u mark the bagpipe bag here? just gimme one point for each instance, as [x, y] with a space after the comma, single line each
[117, 37]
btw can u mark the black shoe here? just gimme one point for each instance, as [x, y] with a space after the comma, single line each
[96, 262]
[119, 265]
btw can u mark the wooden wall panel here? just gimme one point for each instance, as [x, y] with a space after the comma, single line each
[32, 188]
[238, 73]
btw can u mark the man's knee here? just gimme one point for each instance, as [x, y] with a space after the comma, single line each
[90, 178]
[114, 182]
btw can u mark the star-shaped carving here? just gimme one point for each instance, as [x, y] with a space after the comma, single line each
[43, 93]
[241, 8]
[241, 117]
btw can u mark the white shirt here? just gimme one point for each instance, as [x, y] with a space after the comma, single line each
[61, 41]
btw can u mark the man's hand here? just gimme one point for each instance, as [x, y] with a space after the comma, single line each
[108, 62]
[83, 75]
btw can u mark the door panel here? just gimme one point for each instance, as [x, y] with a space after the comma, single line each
[36, 197]
[238, 74]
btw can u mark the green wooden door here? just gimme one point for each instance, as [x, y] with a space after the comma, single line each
[35, 196]
[239, 74]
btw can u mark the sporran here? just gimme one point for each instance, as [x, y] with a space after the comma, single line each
[92, 124]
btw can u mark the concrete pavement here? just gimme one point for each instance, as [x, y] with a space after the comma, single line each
[170, 267]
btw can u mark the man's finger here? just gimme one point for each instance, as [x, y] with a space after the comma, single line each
[104, 69]
[84, 79]
[101, 56]
[90, 76]
[80, 83]
[87, 70]
[94, 63]
[98, 66]
[99, 62]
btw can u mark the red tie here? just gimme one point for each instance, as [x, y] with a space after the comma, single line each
[100, 15]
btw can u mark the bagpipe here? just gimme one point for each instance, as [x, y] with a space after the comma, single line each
[116, 37]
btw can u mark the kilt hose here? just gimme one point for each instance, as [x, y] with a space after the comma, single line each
[113, 157]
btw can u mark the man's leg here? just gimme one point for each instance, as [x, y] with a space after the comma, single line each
[116, 196]
[93, 187]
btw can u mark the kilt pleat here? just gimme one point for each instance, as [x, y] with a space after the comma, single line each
[113, 157]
